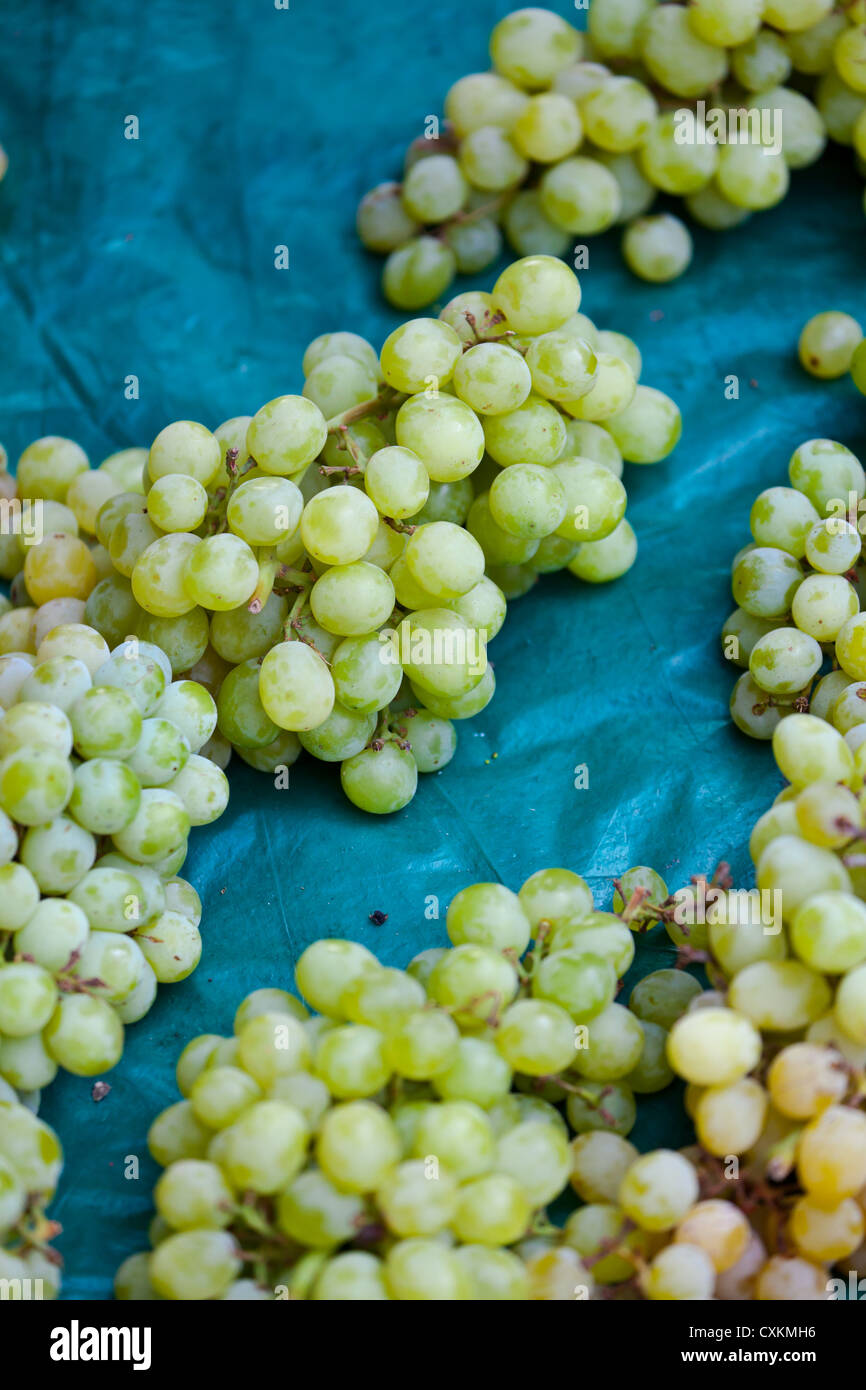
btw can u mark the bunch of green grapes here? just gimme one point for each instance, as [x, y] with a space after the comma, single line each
[333, 567]
[571, 134]
[774, 1056]
[31, 1160]
[404, 1141]
[101, 781]
[798, 587]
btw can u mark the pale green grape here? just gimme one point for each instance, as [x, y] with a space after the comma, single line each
[363, 681]
[35, 785]
[614, 27]
[382, 222]
[48, 466]
[160, 824]
[762, 62]
[492, 379]
[177, 502]
[380, 781]
[488, 914]
[527, 500]
[581, 196]
[849, 55]
[184, 447]
[238, 635]
[533, 433]
[357, 1146]
[184, 639]
[28, 995]
[537, 293]
[418, 272]
[765, 581]
[531, 46]
[823, 604]
[637, 193]
[782, 517]
[548, 128]
[444, 433]
[286, 434]
[350, 600]
[752, 176]
[418, 350]
[339, 525]
[263, 511]
[84, 1035]
[803, 135]
[444, 559]
[58, 854]
[344, 733]
[827, 344]
[710, 209]
[529, 229]
[203, 789]
[241, 716]
[139, 669]
[833, 546]
[618, 115]
[191, 708]
[595, 500]
[648, 428]
[657, 248]
[194, 1265]
[785, 660]
[826, 472]
[582, 984]
[397, 481]
[434, 189]
[725, 23]
[490, 161]
[676, 57]
[295, 686]
[483, 99]
[338, 383]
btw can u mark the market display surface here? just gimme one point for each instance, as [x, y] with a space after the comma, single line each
[275, 537]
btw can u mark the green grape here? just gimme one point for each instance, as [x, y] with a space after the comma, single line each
[58, 854]
[115, 960]
[531, 46]
[418, 350]
[202, 788]
[752, 176]
[418, 272]
[380, 781]
[532, 433]
[382, 222]
[828, 932]
[765, 581]
[239, 635]
[184, 639]
[339, 525]
[581, 196]
[29, 724]
[584, 439]
[295, 686]
[598, 562]
[476, 244]
[648, 428]
[850, 1004]
[28, 996]
[139, 669]
[30, 1147]
[472, 316]
[326, 968]
[396, 481]
[537, 294]
[422, 1044]
[612, 1046]
[184, 447]
[127, 467]
[48, 466]
[826, 472]
[72, 639]
[858, 361]
[488, 914]
[804, 137]
[473, 982]
[781, 996]
[537, 1157]
[314, 1212]
[444, 560]
[53, 933]
[263, 511]
[782, 517]
[192, 1194]
[479, 1074]
[357, 1145]
[596, 933]
[495, 1275]
[172, 945]
[434, 189]
[286, 434]
[614, 27]
[711, 209]
[595, 500]
[548, 128]
[105, 723]
[177, 502]
[344, 733]
[553, 896]
[61, 681]
[658, 1190]
[833, 546]
[610, 393]
[159, 825]
[492, 379]
[849, 56]
[19, 898]
[35, 785]
[350, 600]
[796, 869]
[339, 383]
[483, 99]
[637, 193]
[657, 248]
[785, 660]
[282, 753]
[652, 1072]
[618, 115]
[582, 984]
[725, 23]
[273, 1045]
[130, 537]
[489, 161]
[563, 367]
[15, 667]
[491, 1210]
[194, 1265]
[460, 706]
[340, 345]
[663, 996]
[363, 681]
[528, 228]
[84, 1035]
[191, 709]
[536, 1037]
[219, 572]
[527, 500]
[762, 62]
[676, 57]
[827, 344]
[160, 753]
[444, 433]
[25, 1064]
[110, 898]
[823, 604]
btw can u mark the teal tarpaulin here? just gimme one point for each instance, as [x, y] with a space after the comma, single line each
[154, 258]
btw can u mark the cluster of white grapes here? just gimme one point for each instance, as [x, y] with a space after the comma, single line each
[333, 567]
[571, 134]
[100, 783]
[31, 1160]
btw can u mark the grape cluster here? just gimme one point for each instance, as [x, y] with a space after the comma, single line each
[571, 134]
[30, 1163]
[403, 1142]
[333, 567]
[799, 590]
[100, 783]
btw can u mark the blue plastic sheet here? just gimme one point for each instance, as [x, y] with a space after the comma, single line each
[154, 258]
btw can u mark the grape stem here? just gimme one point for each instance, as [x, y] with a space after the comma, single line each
[269, 568]
[379, 405]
